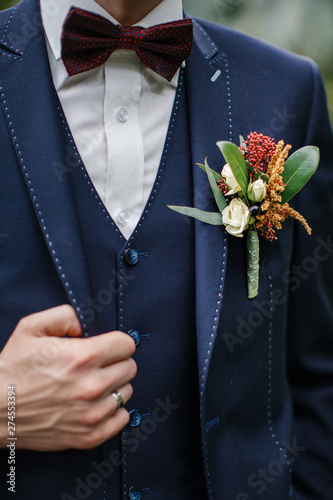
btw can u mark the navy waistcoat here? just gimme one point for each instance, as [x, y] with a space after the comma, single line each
[146, 287]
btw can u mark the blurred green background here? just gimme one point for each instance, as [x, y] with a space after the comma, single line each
[303, 26]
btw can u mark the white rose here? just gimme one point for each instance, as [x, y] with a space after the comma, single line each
[230, 180]
[236, 217]
[257, 190]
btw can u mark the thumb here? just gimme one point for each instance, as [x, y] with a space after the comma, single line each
[55, 322]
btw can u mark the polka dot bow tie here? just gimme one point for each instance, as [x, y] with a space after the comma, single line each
[88, 40]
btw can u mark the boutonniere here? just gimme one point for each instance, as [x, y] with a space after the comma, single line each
[253, 192]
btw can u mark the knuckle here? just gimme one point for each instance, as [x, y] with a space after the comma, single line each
[92, 418]
[68, 309]
[89, 392]
[83, 358]
[25, 324]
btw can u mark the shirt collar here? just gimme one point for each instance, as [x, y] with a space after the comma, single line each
[54, 13]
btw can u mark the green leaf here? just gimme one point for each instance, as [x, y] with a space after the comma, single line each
[219, 198]
[298, 169]
[213, 218]
[264, 177]
[237, 164]
[217, 176]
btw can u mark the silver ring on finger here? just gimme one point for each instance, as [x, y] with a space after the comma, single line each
[118, 397]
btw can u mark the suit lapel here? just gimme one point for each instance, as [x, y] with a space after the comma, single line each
[209, 109]
[32, 111]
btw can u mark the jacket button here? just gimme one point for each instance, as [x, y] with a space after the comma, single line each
[131, 256]
[135, 418]
[135, 493]
[135, 336]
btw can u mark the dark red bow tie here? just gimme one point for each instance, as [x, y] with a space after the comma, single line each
[88, 40]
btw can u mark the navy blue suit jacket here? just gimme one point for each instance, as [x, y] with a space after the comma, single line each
[265, 366]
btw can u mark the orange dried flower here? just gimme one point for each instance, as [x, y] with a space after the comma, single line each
[272, 212]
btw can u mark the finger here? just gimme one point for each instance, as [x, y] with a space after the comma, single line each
[118, 374]
[107, 380]
[109, 348]
[104, 430]
[57, 322]
[108, 405]
[102, 409]
[115, 423]
[126, 392]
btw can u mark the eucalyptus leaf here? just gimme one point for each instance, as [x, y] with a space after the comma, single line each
[219, 198]
[298, 169]
[237, 163]
[213, 218]
[217, 176]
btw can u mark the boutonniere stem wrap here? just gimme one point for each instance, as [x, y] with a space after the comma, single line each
[253, 191]
[252, 245]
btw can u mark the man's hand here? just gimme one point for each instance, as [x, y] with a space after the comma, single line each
[64, 385]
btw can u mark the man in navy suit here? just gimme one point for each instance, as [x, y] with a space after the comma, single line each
[101, 282]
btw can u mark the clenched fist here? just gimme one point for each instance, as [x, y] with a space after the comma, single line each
[64, 386]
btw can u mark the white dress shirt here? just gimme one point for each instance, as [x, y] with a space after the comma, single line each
[118, 113]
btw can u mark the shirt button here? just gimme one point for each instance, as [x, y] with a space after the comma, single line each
[131, 256]
[122, 217]
[135, 493]
[122, 114]
[135, 336]
[135, 418]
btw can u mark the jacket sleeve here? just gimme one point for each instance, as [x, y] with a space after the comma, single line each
[310, 316]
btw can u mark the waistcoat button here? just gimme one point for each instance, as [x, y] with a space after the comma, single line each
[135, 418]
[131, 256]
[135, 336]
[135, 493]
